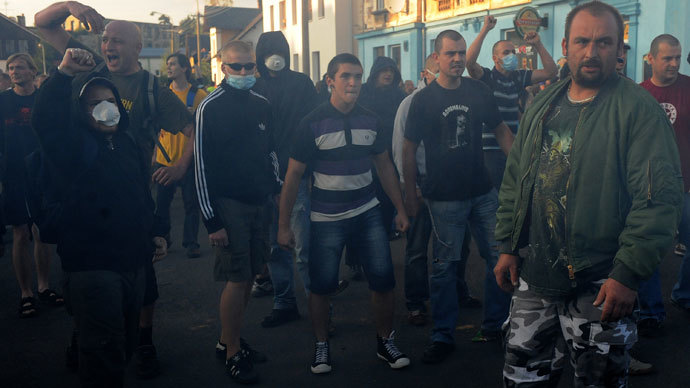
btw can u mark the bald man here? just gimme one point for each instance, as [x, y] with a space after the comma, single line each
[120, 47]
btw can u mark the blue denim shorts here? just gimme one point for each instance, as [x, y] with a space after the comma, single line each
[366, 236]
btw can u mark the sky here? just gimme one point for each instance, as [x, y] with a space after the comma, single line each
[118, 9]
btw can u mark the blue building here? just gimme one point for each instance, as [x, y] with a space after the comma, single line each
[408, 35]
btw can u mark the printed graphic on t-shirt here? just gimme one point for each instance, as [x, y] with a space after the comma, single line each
[127, 104]
[455, 131]
[671, 111]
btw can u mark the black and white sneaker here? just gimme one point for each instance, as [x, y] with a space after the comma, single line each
[387, 351]
[322, 358]
[240, 368]
[255, 356]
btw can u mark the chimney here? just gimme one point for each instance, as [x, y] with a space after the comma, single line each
[21, 20]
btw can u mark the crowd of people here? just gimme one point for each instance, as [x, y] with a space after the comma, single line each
[572, 196]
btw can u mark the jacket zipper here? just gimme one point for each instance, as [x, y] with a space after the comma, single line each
[649, 182]
[571, 269]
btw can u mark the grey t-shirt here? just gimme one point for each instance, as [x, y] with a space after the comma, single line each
[171, 113]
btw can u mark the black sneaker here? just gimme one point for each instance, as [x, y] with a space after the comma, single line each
[254, 355]
[322, 358]
[147, 362]
[437, 352]
[240, 368]
[387, 351]
[279, 317]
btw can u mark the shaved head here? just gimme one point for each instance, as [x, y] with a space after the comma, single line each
[431, 63]
[128, 30]
[120, 45]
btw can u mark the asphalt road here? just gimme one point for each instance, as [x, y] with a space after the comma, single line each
[187, 327]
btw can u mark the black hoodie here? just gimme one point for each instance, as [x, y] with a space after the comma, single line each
[292, 95]
[383, 101]
[107, 217]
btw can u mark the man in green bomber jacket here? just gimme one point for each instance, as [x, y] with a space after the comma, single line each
[593, 190]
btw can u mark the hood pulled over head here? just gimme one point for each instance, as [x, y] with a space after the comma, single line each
[100, 81]
[271, 43]
[381, 63]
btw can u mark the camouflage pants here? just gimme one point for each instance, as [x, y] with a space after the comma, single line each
[543, 330]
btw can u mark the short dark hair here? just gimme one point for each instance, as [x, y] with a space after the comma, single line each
[594, 8]
[493, 49]
[184, 62]
[663, 38]
[338, 60]
[449, 34]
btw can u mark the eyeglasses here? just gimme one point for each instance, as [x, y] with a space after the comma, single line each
[240, 66]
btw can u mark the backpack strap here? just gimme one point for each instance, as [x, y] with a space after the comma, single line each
[191, 94]
[150, 109]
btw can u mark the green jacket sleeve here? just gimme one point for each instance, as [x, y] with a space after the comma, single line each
[655, 186]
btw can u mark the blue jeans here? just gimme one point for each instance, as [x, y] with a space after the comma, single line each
[280, 262]
[366, 235]
[649, 291]
[449, 220]
[681, 291]
[416, 270]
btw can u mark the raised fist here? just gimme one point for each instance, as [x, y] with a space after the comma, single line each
[489, 23]
[76, 61]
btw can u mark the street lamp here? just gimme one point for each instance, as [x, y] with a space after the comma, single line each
[165, 20]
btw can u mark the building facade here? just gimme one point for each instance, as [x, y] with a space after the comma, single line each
[405, 30]
[16, 38]
[329, 30]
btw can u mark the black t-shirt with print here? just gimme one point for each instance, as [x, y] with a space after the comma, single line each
[449, 122]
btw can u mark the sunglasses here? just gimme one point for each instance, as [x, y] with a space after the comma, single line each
[240, 66]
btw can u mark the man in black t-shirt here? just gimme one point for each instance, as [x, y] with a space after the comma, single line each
[120, 47]
[448, 116]
[508, 84]
[18, 141]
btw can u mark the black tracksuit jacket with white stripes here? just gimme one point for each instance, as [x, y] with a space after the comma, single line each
[233, 152]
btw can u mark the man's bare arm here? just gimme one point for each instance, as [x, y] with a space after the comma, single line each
[550, 68]
[473, 68]
[504, 137]
[49, 22]
[288, 195]
[169, 174]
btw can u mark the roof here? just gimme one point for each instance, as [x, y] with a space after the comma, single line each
[153, 52]
[249, 26]
[4, 20]
[229, 18]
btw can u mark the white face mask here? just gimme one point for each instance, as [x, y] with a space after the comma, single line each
[275, 63]
[106, 113]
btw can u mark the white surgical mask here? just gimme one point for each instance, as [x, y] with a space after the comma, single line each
[275, 63]
[106, 113]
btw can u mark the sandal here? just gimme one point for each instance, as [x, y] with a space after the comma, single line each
[27, 307]
[51, 297]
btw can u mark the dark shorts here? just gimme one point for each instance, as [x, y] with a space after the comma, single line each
[248, 248]
[366, 236]
[14, 204]
[150, 283]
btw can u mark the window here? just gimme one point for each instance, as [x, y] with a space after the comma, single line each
[294, 12]
[295, 62]
[281, 9]
[315, 66]
[444, 5]
[395, 54]
[270, 11]
[472, 2]
[379, 52]
[380, 5]
[23, 46]
[9, 47]
[322, 11]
